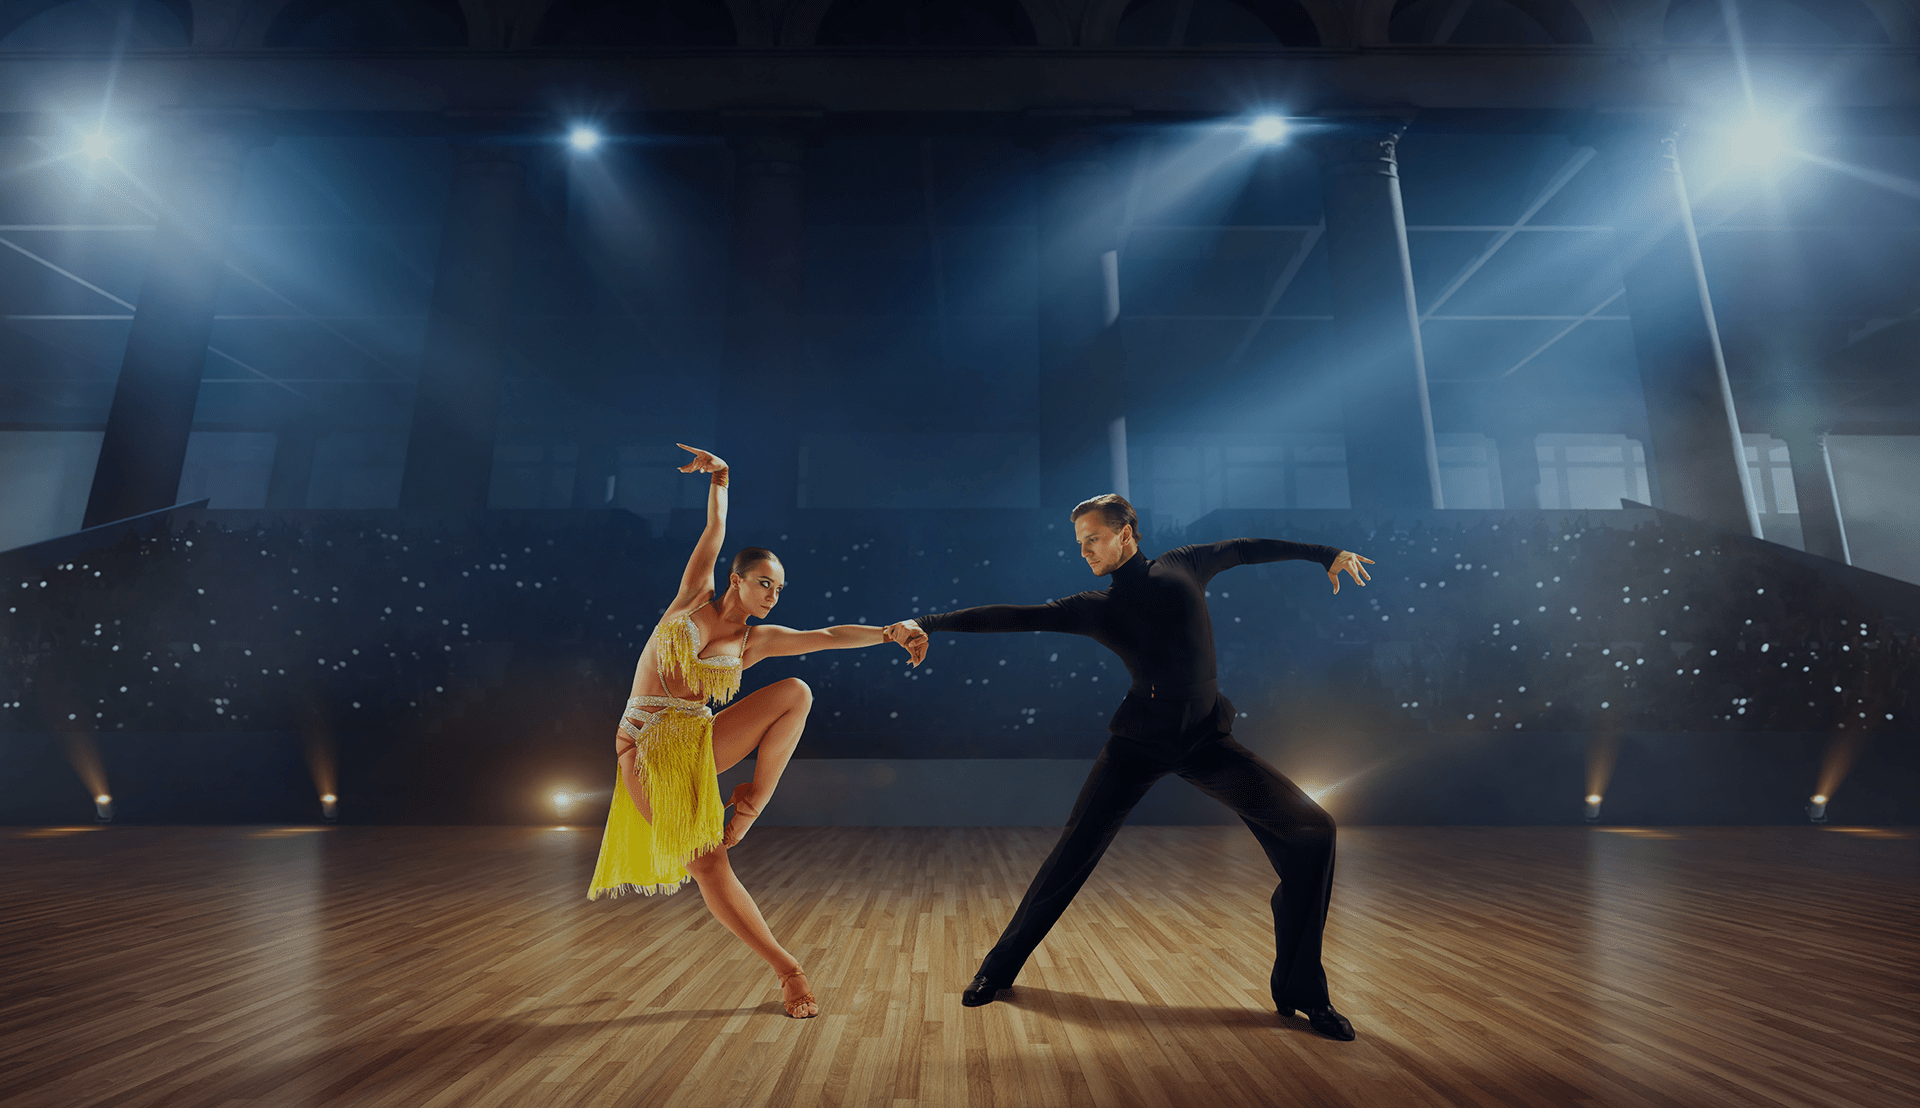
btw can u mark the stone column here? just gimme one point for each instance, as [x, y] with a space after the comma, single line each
[759, 402]
[1821, 531]
[1391, 461]
[1082, 373]
[292, 474]
[1695, 436]
[159, 386]
[597, 462]
[1519, 464]
[456, 404]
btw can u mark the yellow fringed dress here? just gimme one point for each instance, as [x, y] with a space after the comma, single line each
[674, 745]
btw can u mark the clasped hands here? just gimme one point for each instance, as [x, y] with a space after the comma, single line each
[909, 637]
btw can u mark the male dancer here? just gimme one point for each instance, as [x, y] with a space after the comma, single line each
[1173, 720]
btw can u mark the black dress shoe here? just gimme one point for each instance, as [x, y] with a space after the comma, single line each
[980, 991]
[1328, 1022]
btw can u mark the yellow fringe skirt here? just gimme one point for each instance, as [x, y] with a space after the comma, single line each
[675, 760]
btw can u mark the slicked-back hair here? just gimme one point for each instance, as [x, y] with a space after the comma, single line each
[1113, 508]
[748, 557]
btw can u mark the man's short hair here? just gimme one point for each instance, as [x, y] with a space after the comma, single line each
[1113, 508]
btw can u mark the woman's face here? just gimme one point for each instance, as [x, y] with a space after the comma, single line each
[760, 587]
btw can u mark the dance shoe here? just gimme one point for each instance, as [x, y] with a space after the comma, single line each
[1324, 1020]
[980, 991]
[802, 1007]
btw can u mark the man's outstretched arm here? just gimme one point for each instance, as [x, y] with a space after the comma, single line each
[1055, 615]
[1210, 558]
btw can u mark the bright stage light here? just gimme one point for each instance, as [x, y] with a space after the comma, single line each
[583, 139]
[562, 801]
[1819, 800]
[1593, 807]
[1817, 808]
[1593, 800]
[1757, 142]
[1268, 128]
[96, 145]
[328, 799]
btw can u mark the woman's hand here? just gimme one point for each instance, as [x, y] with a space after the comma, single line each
[908, 635]
[1351, 562]
[703, 461]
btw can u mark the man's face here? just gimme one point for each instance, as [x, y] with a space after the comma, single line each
[1104, 548]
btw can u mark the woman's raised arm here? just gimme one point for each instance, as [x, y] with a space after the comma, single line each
[697, 582]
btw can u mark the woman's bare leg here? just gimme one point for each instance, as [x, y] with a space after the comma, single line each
[771, 722]
[733, 906]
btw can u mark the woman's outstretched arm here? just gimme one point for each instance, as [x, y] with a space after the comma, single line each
[773, 641]
[697, 582]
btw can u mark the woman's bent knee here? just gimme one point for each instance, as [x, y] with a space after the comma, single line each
[797, 693]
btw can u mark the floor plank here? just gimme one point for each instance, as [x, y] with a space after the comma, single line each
[204, 967]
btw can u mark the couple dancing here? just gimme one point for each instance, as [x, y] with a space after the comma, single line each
[667, 822]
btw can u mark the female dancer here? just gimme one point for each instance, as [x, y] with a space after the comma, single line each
[666, 820]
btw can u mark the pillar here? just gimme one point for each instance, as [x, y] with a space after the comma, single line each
[1821, 531]
[292, 475]
[759, 413]
[595, 465]
[1082, 374]
[456, 404]
[1392, 464]
[1694, 433]
[1519, 465]
[158, 389]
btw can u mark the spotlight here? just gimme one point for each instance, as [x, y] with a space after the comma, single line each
[1268, 128]
[330, 807]
[583, 139]
[103, 808]
[1757, 143]
[96, 145]
[562, 802]
[1817, 808]
[1593, 807]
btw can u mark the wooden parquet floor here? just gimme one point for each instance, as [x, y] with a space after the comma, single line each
[429, 967]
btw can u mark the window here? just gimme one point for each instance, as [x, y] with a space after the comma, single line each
[1591, 471]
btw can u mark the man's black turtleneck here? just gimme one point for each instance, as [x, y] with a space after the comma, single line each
[1153, 615]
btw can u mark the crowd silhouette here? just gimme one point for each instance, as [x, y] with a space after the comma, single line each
[384, 620]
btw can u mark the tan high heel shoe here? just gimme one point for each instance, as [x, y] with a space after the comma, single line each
[803, 1007]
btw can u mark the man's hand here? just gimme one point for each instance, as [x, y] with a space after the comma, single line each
[908, 635]
[1353, 564]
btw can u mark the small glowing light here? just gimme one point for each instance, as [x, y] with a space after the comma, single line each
[1268, 128]
[103, 798]
[562, 800]
[96, 145]
[1758, 142]
[329, 799]
[583, 138]
[1819, 799]
[1593, 800]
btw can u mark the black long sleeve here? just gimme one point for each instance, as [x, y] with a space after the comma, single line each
[1154, 615]
[1208, 559]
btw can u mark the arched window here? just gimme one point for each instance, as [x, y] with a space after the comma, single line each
[1774, 21]
[95, 24]
[369, 25]
[963, 23]
[1217, 23]
[637, 23]
[1488, 23]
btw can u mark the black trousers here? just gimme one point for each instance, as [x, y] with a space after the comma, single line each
[1294, 831]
